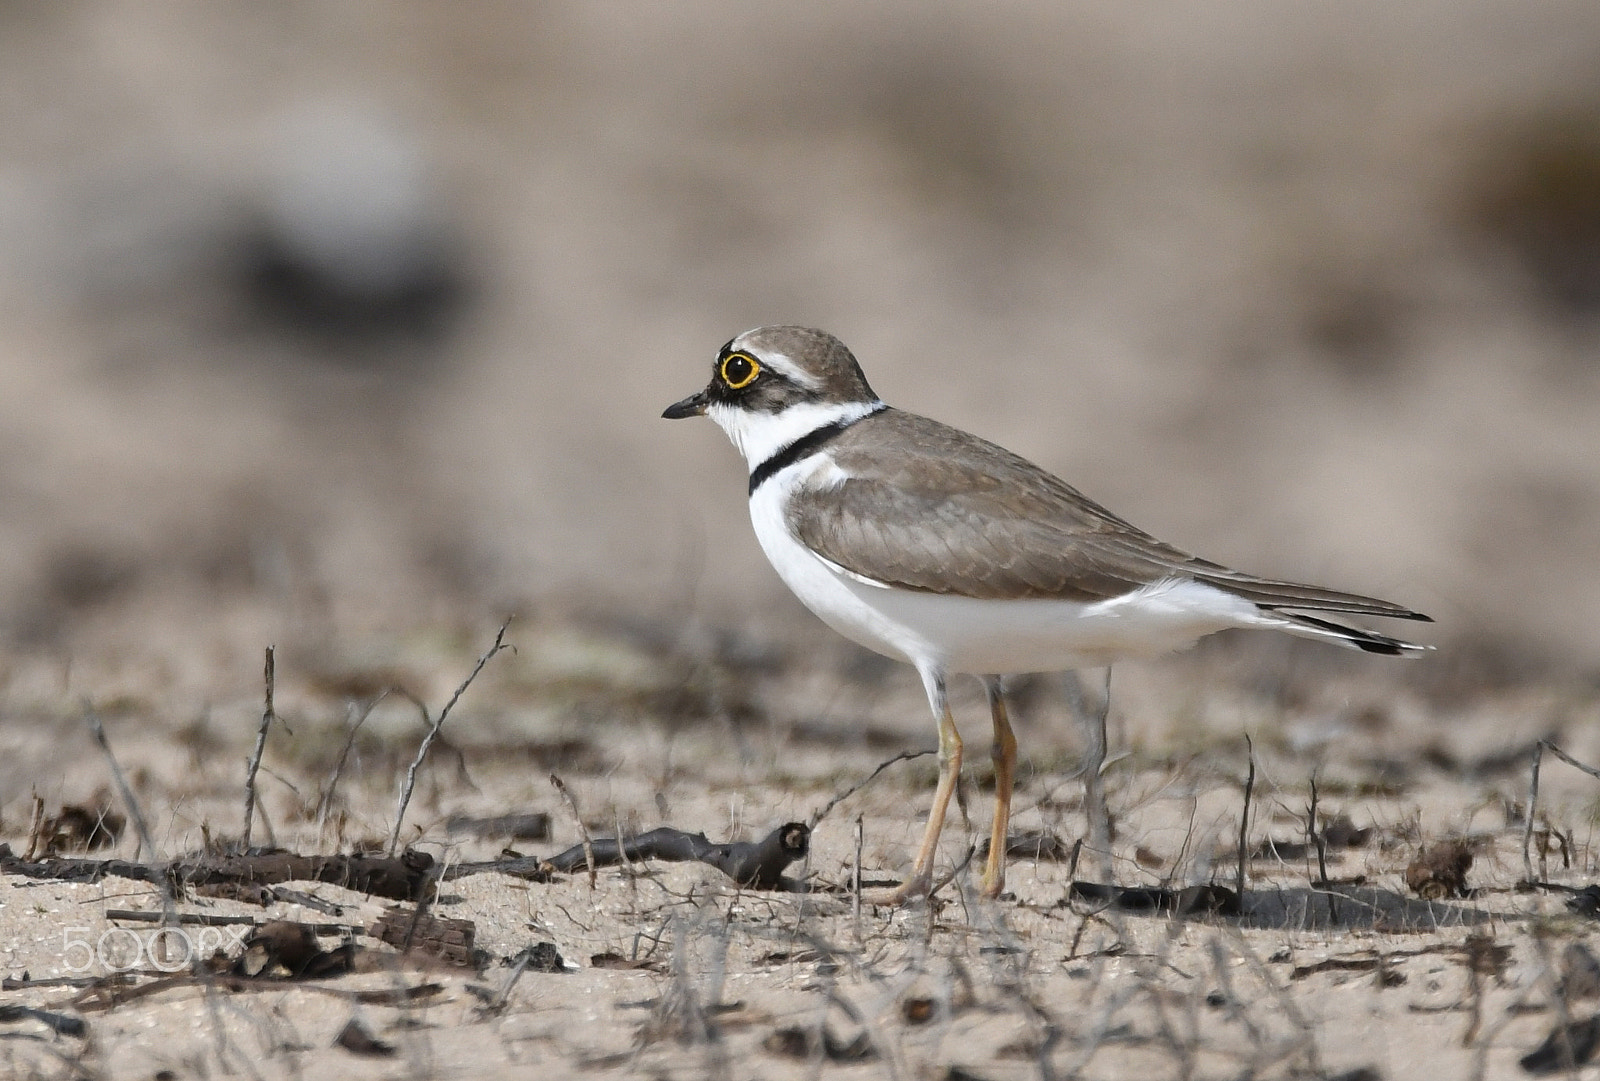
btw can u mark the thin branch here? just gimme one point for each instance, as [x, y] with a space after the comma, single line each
[1244, 818]
[1094, 794]
[134, 811]
[498, 1003]
[325, 801]
[1531, 813]
[583, 831]
[433, 734]
[955, 871]
[1318, 840]
[97, 730]
[1533, 800]
[1569, 760]
[855, 879]
[903, 756]
[267, 714]
[36, 842]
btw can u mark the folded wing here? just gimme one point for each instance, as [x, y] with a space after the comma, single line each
[951, 513]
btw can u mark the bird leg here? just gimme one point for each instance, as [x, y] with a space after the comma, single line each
[921, 880]
[1004, 753]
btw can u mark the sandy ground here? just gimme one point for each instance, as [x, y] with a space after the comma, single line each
[738, 984]
[346, 329]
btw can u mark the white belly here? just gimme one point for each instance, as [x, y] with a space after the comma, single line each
[1000, 637]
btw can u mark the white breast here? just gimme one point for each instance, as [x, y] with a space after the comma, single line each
[828, 591]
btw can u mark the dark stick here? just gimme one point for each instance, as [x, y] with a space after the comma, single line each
[433, 734]
[1533, 803]
[758, 864]
[270, 678]
[1244, 819]
[1314, 835]
[855, 877]
[404, 878]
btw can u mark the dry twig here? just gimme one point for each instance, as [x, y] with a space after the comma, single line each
[583, 830]
[433, 734]
[1094, 795]
[1318, 839]
[1533, 797]
[1531, 814]
[36, 827]
[903, 756]
[325, 800]
[1244, 818]
[267, 714]
[855, 878]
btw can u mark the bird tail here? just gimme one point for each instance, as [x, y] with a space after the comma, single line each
[1286, 604]
[1350, 637]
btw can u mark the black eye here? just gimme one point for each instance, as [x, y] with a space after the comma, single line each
[739, 370]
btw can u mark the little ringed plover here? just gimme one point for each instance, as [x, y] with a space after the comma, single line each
[938, 548]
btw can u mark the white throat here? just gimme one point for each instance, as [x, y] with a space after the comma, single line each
[761, 435]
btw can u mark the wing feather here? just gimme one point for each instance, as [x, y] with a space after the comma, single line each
[951, 513]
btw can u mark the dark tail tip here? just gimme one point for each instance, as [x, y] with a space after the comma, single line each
[1364, 640]
[1387, 649]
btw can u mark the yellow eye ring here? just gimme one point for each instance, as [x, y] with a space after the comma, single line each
[739, 370]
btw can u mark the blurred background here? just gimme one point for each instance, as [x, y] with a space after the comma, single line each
[323, 322]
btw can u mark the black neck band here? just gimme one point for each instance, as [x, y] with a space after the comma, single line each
[803, 447]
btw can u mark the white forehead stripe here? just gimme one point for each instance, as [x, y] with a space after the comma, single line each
[785, 366]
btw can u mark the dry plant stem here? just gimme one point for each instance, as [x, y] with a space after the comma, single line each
[622, 849]
[1315, 836]
[325, 801]
[583, 831]
[855, 878]
[135, 812]
[433, 734]
[903, 756]
[35, 827]
[499, 1002]
[269, 678]
[1094, 789]
[1569, 760]
[1531, 814]
[1244, 818]
[1533, 797]
[953, 873]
